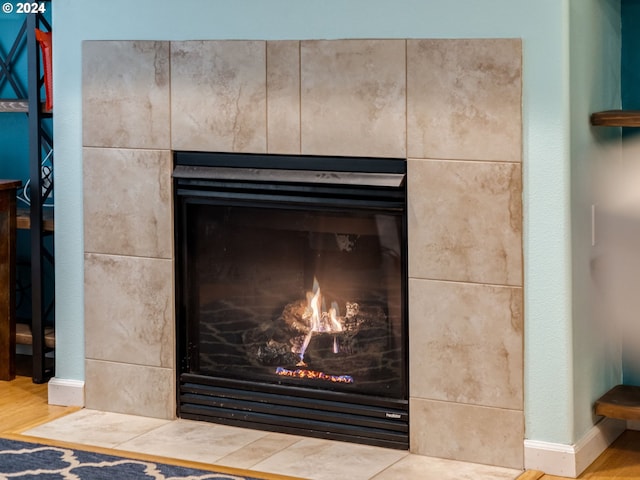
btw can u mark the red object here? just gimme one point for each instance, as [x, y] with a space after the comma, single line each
[44, 39]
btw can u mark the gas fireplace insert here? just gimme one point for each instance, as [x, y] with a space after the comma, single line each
[291, 281]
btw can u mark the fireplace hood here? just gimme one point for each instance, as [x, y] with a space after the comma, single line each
[360, 179]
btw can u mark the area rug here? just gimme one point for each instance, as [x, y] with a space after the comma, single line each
[21, 460]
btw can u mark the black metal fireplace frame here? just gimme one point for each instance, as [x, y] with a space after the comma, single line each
[290, 182]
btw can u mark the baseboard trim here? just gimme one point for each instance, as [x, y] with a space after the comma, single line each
[571, 460]
[69, 393]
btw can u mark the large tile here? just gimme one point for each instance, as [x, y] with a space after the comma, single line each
[490, 436]
[125, 94]
[465, 221]
[464, 99]
[129, 310]
[353, 97]
[130, 389]
[431, 468]
[473, 330]
[218, 96]
[260, 450]
[93, 427]
[316, 459]
[193, 441]
[128, 202]
[283, 97]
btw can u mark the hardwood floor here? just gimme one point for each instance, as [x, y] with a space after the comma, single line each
[23, 405]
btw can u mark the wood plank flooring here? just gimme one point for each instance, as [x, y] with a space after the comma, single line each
[23, 405]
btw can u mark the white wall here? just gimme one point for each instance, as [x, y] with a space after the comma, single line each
[543, 26]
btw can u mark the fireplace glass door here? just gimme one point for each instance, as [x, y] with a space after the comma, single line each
[294, 289]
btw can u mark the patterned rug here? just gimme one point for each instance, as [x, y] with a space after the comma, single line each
[27, 461]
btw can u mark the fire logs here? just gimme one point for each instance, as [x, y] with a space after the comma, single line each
[359, 342]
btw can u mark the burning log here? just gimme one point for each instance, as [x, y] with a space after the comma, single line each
[281, 342]
[293, 317]
[269, 346]
[309, 333]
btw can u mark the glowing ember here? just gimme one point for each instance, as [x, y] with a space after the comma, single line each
[314, 375]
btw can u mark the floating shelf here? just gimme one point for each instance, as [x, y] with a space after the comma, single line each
[616, 118]
[622, 402]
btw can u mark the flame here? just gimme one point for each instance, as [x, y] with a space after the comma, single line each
[314, 375]
[320, 319]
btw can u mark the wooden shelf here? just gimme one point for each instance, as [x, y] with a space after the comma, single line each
[23, 220]
[622, 402]
[18, 105]
[25, 337]
[616, 118]
[14, 105]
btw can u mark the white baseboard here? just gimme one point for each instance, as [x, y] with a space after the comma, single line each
[69, 393]
[571, 460]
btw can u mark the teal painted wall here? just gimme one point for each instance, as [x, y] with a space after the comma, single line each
[13, 126]
[544, 27]
[14, 154]
[14, 138]
[14, 151]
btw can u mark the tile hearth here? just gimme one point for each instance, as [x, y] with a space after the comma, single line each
[452, 108]
[275, 453]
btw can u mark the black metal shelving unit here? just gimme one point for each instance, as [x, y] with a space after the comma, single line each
[40, 224]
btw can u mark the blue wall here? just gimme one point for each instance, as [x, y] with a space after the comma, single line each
[13, 126]
[14, 150]
[14, 136]
[14, 143]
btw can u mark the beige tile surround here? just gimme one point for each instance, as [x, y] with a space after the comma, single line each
[451, 107]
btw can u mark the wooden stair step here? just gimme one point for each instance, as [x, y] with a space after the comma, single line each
[25, 337]
[622, 402]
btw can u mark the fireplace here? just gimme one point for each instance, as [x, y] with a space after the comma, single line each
[291, 294]
[450, 107]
